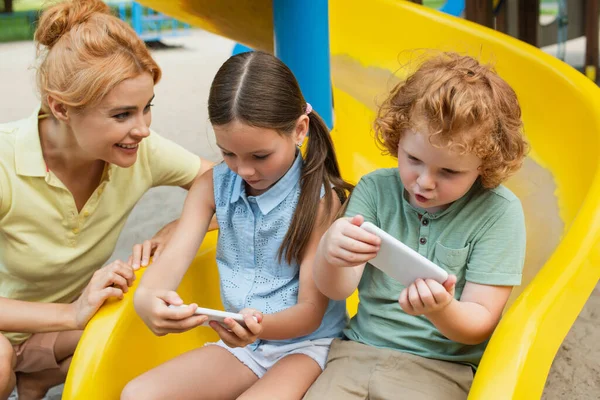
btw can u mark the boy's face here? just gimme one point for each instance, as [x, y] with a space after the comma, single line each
[434, 177]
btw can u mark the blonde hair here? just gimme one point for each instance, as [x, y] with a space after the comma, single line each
[84, 52]
[464, 105]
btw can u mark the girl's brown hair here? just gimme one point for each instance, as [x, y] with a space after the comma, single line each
[463, 104]
[85, 52]
[259, 90]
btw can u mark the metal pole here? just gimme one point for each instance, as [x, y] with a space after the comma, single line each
[301, 36]
[591, 34]
[136, 17]
[501, 12]
[480, 11]
[529, 14]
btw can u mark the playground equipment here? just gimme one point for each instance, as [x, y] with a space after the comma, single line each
[149, 24]
[559, 184]
[521, 19]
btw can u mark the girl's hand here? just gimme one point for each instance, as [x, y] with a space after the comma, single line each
[151, 248]
[346, 244]
[427, 296]
[237, 336]
[152, 305]
[112, 280]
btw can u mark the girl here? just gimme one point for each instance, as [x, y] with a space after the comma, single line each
[455, 128]
[70, 174]
[272, 207]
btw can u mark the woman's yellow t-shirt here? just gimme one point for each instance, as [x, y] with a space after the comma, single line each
[49, 250]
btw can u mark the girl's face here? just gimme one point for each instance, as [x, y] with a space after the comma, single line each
[260, 156]
[112, 130]
[434, 177]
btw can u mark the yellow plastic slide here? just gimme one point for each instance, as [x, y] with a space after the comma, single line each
[559, 186]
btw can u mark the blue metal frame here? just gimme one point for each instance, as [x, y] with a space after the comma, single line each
[301, 36]
[149, 24]
[136, 17]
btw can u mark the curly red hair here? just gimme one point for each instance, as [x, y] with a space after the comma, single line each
[464, 105]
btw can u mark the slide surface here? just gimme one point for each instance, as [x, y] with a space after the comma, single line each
[559, 185]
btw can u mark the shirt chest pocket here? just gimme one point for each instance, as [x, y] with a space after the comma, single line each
[452, 260]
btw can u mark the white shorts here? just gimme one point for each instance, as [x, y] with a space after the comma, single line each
[266, 354]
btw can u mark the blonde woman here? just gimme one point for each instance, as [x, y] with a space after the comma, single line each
[70, 174]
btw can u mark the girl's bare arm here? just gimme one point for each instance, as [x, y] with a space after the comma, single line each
[306, 316]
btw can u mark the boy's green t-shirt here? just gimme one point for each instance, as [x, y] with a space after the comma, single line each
[480, 238]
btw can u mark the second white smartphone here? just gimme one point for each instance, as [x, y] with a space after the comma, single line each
[217, 315]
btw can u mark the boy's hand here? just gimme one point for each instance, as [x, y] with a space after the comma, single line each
[112, 280]
[346, 244]
[427, 296]
[235, 335]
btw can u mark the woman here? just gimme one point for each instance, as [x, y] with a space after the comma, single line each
[70, 174]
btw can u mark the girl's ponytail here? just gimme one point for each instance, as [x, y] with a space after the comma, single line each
[320, 169]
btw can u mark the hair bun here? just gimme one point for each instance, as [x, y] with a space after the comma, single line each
[62, 17]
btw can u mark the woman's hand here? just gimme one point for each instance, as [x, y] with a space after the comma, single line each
[153, 247]
[110, 281]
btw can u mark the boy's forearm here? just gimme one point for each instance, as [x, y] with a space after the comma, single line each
[464, 322]
[24, 316]
[299, 320]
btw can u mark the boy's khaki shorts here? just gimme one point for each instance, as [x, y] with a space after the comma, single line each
[36, 353]
[357, 371]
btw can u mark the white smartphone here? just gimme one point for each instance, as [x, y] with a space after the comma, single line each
[217, 315]
[400, 261]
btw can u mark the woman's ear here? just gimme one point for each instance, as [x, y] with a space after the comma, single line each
[58, 109]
